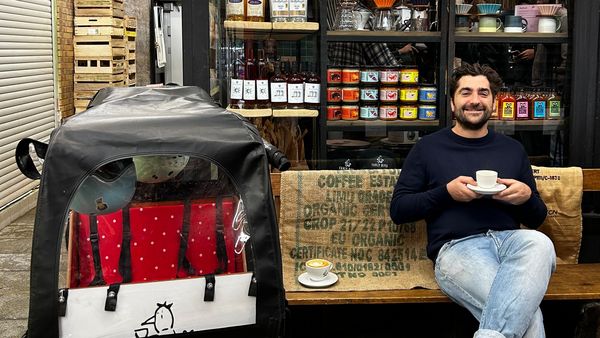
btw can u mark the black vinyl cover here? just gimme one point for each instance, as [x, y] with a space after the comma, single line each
[130, 121]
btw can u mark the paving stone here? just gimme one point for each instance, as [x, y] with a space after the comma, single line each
[15, 245]
[13, 328]
[17, 231]
[14, 262]
[15, 302]
[14, 282]
[28, 218]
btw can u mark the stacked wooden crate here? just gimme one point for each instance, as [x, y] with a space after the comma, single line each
[99, 46]
[130, 36]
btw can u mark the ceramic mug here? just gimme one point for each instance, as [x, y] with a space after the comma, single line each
[515, 24]
[462, 23]
[489, 24]
[549, 24]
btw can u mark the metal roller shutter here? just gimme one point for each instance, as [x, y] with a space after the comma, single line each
[27, 105]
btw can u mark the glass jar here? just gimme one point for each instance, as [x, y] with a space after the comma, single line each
[427, 94]
[349, 112]
[409, 75]
[388, 112]
[409, 94]
[388, 94]
[389, 76]
[334, 94]
[408, 112]
[350, 94]
[334, 76]
[369, 94]
[350, 76]
[369, 76]
[369, 112]
[334, 113]
[427, 112]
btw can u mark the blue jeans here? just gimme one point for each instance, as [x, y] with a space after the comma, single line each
[501, 278]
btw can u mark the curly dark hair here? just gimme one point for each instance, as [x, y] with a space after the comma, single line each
[475, 70]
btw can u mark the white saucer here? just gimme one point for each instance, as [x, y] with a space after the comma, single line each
[487, 191]
[331, 279]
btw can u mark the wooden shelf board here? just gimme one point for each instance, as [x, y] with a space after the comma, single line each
[274, 30]
[376, 36]
[382, 123]
[252, 112]
[511, 37]
[295, 113]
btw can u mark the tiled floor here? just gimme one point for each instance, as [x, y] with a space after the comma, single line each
[15, 251]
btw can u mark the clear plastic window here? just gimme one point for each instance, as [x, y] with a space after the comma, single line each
[155, 218]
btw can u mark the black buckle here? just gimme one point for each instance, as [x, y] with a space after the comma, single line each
[63, 294]
[111, 297]
[94, 237]
[253, 286]
[209, 288]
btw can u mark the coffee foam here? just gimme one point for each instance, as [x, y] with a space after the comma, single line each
[317, 263]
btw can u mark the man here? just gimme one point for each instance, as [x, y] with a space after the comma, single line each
[483, 260]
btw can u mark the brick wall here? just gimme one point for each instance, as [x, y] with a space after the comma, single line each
[64, 20]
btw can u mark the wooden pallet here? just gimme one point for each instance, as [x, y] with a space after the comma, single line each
[109, 8]
[131, 66]
[91, 85]
[87, 46]
[99, 26]
[130, 80]
[99, 65]
[85, 94]
[99, 77]
[130, 23]
[131, 45]
[99, 30]
[85, 21]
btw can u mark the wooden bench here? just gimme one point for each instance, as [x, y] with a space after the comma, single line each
[569, 282]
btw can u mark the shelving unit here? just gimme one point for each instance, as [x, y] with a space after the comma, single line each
[445, 39]
[437, 39]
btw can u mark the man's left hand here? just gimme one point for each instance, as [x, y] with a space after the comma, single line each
[516, 192]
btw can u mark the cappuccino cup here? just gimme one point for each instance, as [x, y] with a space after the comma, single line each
[318, 269]
[486, 178]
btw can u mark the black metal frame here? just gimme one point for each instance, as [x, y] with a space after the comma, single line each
[584, 38]
[584, 127]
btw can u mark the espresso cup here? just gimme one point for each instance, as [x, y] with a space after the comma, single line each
[318, 269]
[489, 24]
[548, 24]
[515, 21]
[486, 178]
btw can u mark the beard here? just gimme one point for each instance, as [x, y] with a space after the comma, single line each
[462, 119]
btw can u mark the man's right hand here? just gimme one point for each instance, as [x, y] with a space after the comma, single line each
[457, 188]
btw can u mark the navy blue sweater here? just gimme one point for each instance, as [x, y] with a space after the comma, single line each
[437, 159]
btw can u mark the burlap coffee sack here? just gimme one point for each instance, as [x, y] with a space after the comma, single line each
[343, 216]
[562, 189]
